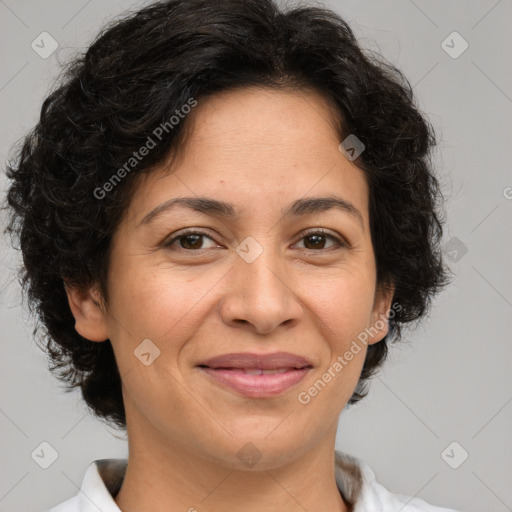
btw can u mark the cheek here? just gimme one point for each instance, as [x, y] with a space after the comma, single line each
[157, 303]
[343, 305]
[342, 308]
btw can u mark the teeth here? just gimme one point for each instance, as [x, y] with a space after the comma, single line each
[253, 371]
[258, 371]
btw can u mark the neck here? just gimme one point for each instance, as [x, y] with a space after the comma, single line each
[175, 478]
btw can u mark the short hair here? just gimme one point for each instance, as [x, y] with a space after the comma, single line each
[138, 71]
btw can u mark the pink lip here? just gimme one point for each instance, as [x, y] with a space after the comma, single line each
[263, 361]
[229, 370]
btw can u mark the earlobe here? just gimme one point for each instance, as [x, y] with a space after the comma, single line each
[90, 318]
[379, 318]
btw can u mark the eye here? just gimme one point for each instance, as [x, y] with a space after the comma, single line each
[317, 240]
[191, 240]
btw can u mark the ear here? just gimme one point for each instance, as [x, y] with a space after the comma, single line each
[379, 318]
[90, 316]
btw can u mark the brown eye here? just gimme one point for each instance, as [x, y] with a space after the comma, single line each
[317, 240]
[189, 241]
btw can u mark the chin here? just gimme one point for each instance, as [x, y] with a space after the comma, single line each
[254, 456]
[259, 450]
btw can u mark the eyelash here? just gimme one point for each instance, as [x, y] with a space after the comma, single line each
[318, 231]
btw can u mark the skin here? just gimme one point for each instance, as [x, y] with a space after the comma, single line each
[259, 150]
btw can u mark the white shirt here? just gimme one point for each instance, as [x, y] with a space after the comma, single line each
[355, 480]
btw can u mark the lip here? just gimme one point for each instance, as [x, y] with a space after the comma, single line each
[264, 361]
[229, 370]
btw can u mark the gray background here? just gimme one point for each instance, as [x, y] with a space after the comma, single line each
[451, 379]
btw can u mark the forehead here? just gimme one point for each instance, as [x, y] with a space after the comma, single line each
[255, 118]
[257, 148]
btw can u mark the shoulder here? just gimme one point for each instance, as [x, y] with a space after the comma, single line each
[100, 484]
[357, 480]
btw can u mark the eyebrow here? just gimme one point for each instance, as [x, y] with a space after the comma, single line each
[220, 209]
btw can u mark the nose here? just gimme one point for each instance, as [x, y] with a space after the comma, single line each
[260, 295]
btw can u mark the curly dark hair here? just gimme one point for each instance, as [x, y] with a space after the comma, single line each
[136, 74]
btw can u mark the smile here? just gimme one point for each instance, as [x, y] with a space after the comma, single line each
[257, 375]
[257, 382]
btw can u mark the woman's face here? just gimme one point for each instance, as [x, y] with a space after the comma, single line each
[253, 277]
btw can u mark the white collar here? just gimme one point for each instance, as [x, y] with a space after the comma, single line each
[355, 480]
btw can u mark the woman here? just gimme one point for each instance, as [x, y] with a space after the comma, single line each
[226, 212]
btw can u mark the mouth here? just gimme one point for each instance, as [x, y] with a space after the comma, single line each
[257, 375]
